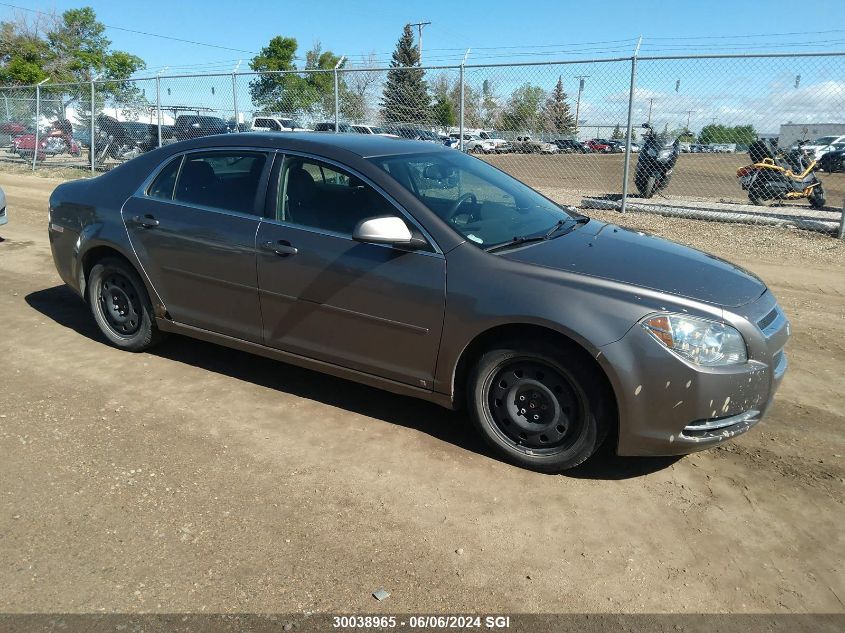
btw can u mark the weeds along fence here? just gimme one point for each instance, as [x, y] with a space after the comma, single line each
[572, 129]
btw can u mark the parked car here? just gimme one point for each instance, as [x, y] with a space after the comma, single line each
[371, 129]
[189, 126]
[474, 144]
[500, 144]
[820, 146]
[597, 145]
[376, 265]
[528, 145]
[414, 133]
[276, 124]
[52, 141]
[833, 160]
[616, 146]
[570, 146]
[330, 127]
[144, 134]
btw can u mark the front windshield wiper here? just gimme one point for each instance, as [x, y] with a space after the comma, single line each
[525, 239]
[519, 239]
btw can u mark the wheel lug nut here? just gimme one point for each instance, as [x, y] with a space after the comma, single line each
[522, 411]
[536, 417]
[522, 397]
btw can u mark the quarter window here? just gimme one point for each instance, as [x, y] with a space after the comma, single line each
[316, 195]
[222, 180]
[162, 186]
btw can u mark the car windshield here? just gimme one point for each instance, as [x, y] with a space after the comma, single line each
[482, 203]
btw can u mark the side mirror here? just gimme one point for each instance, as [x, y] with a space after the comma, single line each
[387, 229]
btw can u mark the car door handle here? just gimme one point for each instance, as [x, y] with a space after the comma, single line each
[282, 248]
[146, 221]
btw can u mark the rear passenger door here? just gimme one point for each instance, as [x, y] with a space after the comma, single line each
[367, 307]
[193, 229]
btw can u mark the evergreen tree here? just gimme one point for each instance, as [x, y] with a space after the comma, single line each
[617, 134]
[405, 98]
[556, 115]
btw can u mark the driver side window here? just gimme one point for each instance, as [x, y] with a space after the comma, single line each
[321, 196]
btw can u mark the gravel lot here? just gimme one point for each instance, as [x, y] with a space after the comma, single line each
[197, 478]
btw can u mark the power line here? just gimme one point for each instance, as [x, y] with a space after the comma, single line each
[164, 37]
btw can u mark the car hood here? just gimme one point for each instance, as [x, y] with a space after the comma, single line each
[617, 254]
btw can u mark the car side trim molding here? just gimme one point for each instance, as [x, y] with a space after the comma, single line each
[442, 399]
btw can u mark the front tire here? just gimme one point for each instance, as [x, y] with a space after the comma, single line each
[121, 306]
[541, 409]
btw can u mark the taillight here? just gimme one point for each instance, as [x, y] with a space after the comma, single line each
[743, 171]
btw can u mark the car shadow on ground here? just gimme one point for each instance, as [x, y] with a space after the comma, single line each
[62, 306]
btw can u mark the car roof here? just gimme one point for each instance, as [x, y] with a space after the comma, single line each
[363, 145]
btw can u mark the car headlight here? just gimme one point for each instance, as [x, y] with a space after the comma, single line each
[703, 342]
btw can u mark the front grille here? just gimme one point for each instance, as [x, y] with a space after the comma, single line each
[717, 426]
[767, 320]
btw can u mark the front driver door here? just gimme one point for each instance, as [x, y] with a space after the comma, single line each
[367, 307]
[193, 230]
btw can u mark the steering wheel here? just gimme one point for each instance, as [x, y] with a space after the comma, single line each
[461, 201]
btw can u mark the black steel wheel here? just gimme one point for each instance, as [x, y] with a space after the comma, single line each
[121, 306]
[546, 409]
[534, 405]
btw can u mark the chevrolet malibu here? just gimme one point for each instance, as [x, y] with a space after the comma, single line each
[428, 273]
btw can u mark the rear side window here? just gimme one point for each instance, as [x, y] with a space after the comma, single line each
[227, 180]
[162, 186]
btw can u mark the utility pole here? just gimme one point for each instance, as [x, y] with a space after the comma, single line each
[689, 114]
[580, 79]
[650, 105]
[420, 26]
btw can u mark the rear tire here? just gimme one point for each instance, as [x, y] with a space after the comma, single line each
[539, 407]
[121, 306]
[760, 196]
[816, 197]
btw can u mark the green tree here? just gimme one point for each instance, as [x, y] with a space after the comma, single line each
[617, 134]
[523, 109]
[405, 97]
[444, 110]
[321, 84]
[70, 48]
[274, 91]
[556, 114]
[717, 133]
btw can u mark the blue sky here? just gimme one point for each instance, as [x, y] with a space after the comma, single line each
[360, 27]
[762, 92]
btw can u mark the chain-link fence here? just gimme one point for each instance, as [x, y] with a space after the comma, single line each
[750, 138]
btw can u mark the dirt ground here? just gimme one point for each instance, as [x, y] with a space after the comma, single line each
[200, 479]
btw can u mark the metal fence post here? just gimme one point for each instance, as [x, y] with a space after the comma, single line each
[627, 166]
[158, 106]
[37, 116]
[461, 122]
[337, 95]
[235, 99]
[93, 146]
[842, 222]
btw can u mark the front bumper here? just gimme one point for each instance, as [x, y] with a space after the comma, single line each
[668, 406]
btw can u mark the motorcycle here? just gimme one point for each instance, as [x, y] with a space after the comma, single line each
[57, 140]
[656, 160]
[780, 175]
[111, 140]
